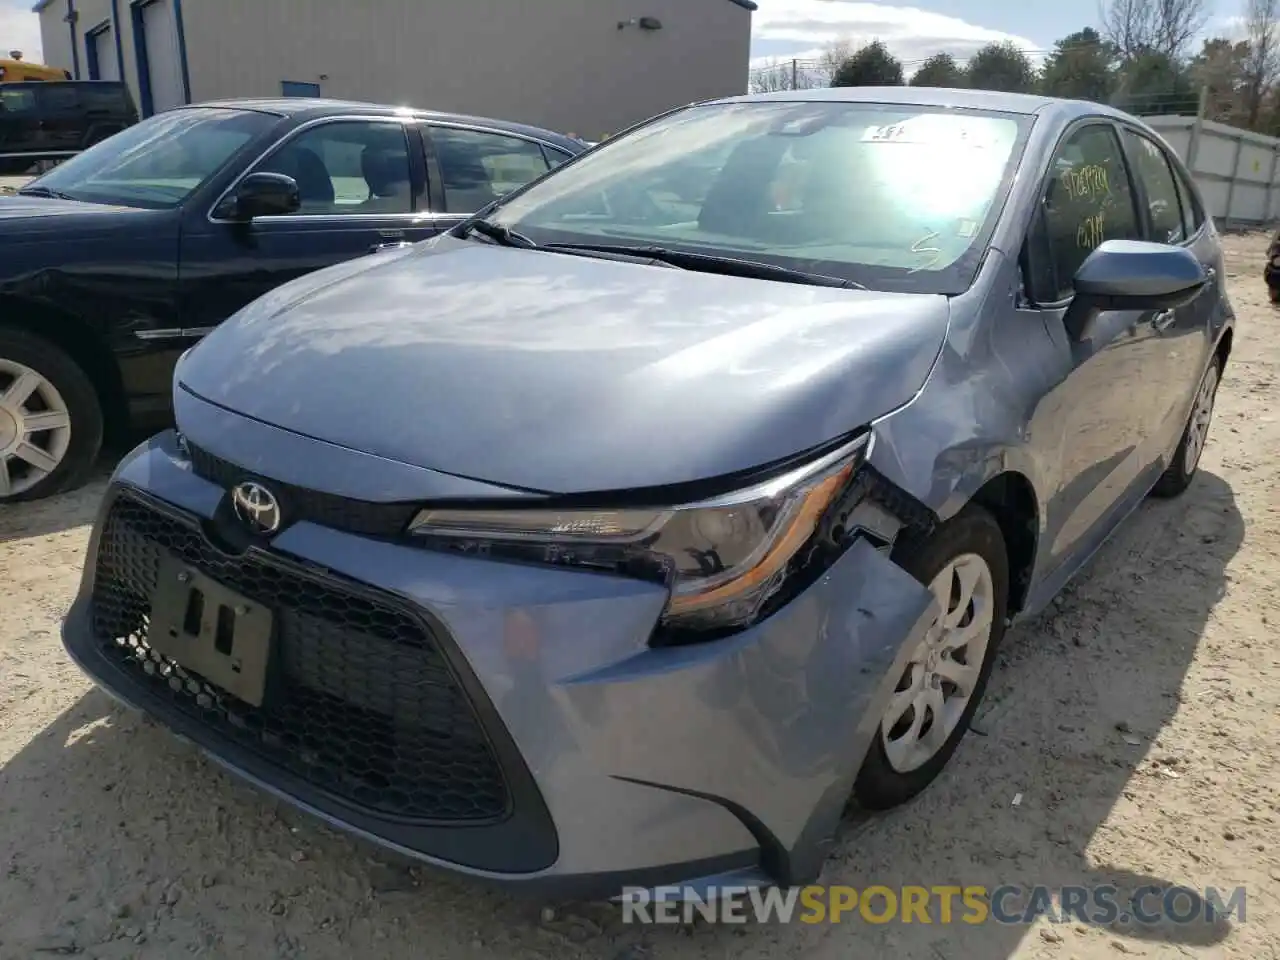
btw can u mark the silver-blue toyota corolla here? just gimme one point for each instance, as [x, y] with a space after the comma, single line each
[626, 532]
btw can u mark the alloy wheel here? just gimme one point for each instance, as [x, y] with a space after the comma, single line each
[35, 428]
[1201, 416]
[935, 690]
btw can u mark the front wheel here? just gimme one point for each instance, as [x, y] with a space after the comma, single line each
[50, 419]
[1180, 472]
[965, 565]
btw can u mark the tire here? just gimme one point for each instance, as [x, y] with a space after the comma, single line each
[884, 781]
[1182, 468]
[76, 451]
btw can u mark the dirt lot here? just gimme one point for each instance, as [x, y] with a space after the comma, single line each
[1139, 720]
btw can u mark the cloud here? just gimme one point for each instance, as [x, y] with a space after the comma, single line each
[20, 30]
[802, 28]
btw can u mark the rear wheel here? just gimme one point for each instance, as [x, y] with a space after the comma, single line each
[965, 566]
[1182, 469]
[50, 419]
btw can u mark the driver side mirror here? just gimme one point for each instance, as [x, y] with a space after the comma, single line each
[1132, 275]
[261, 195]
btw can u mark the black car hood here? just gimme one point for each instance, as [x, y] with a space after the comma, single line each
[22, 217]
[565, 374]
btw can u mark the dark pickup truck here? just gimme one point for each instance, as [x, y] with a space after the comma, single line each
[53, 120]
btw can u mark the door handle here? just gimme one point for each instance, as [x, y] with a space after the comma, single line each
[1164, 319]
[392, 245]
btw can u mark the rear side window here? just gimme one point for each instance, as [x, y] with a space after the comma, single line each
[477, 166]
[1164, 206]
[1087, 200]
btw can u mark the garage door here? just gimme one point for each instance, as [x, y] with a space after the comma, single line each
[163, 66]
[104, 48]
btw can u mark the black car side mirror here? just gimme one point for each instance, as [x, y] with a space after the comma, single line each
[1132, 275]
[261, 195]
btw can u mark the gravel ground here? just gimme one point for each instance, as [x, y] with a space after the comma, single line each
[1138, 720]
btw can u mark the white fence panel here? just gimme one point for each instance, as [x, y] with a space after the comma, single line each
[1238, 172]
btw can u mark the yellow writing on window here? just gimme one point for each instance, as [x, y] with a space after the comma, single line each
[1087, 181]
[1091, 232]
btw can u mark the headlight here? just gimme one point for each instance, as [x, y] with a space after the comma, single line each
[723, 559]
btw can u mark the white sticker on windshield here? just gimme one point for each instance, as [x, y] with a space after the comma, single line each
[937, 129]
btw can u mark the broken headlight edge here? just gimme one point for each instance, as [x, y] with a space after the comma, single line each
[723, 559]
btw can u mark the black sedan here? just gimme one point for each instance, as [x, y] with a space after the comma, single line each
[115, 262]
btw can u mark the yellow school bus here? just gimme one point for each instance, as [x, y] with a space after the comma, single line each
[15, 70]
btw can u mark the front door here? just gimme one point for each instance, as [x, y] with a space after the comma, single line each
[1091, 429]
[363, 190]
[1185, 334]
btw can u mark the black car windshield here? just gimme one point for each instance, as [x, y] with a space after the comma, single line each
[892, 196]
[158, 163]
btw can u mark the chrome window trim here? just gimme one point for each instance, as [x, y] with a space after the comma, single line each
[404, 122]
[477, 128]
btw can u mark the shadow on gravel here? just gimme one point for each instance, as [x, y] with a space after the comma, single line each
[119, 831]
[66, 511]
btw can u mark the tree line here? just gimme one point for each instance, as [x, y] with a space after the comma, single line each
[1142, 58]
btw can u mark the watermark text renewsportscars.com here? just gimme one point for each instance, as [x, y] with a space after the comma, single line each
[1100, 905]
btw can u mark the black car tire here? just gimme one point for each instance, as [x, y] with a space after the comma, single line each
[972, 531]
[1176, 477]
[82, 404]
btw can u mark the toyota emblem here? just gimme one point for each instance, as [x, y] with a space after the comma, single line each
[256, 506]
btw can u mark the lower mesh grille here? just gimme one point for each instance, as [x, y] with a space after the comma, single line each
[361, 703]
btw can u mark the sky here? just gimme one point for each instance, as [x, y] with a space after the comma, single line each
[800, 28]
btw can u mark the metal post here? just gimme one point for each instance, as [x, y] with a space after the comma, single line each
[795, 74]
[1235, 175]
[1197, 126]
[1271, 181]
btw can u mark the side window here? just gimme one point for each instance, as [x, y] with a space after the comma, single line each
[347, 167]
[1087, 200]
[17, 100]
[1152, 168]
[554, 157]
[477, 168]
[60, 98]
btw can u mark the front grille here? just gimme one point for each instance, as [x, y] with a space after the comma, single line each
[385, 520]
[361, 703]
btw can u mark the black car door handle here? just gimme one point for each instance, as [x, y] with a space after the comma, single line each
[391, 245]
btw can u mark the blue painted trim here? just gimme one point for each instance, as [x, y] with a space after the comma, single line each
[140, 56]
[75, 46]
[182, 51]
[91, 49]
[115, 26]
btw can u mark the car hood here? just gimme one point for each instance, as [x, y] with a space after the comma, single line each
[565, 374]
[22, 217]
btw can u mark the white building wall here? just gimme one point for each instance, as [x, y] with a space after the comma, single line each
[563, 64]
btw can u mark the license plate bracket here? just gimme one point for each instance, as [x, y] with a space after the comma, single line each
[216, 632]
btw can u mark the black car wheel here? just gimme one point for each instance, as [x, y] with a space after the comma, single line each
[965, 565]
[50, 419]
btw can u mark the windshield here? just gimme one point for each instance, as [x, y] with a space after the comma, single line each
[892, 196]
[158, 163]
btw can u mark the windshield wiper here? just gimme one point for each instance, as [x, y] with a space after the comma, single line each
[43, 192]
[497, 233]
[712, 263]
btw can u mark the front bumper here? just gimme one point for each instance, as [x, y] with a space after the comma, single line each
[617, 764]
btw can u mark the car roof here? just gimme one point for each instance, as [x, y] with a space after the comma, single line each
[1024, 103]
[309, 108]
